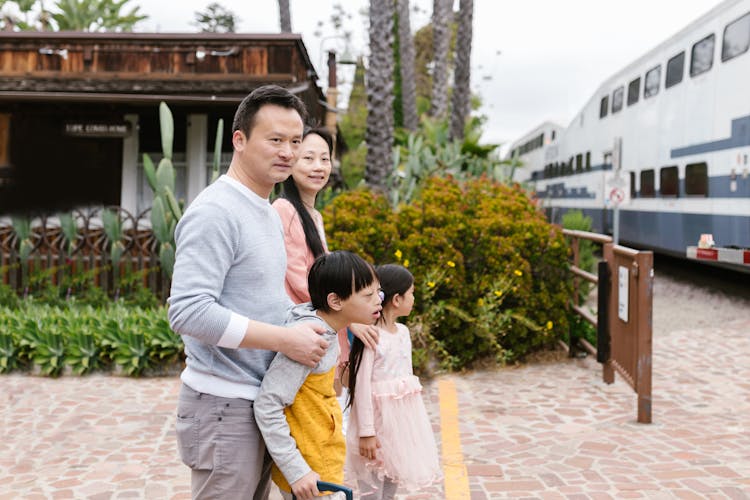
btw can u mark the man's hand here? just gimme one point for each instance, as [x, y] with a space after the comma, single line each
[306, 487]
[368, 446]
[368, 334]
[302, 343]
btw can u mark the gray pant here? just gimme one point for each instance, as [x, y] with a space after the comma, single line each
[220, 442]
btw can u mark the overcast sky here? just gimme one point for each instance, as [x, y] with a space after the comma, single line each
[533, 60]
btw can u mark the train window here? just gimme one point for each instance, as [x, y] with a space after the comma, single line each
[675, 70]
[702, 55]
[634, 91]
[617, 97]
[669, 181]
[736, 38]
[604, 106]
[651, 85]
[696, 179]
[647, 184]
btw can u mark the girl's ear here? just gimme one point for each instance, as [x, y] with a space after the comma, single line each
[396, 300]
[334, 301]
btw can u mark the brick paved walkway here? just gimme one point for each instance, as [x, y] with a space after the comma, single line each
[546, 430]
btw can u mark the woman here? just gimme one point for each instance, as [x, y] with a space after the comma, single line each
[304, 234]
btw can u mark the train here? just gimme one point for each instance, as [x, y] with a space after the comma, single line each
[660, 153]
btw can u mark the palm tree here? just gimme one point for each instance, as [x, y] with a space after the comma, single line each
[95, 15]
[408, 79]
[285, 17]
[462, 73]
[379, 134]
[442, 11]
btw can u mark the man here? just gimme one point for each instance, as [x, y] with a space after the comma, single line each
[228, 300]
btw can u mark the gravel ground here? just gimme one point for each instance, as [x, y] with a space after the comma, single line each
[697, 295]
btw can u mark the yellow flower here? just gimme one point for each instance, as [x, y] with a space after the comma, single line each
[480, 302]
[406, 262]
[430, 284]
[498, 293]
[398, 254]
[549, 325]
[517, 273]
[450, 263]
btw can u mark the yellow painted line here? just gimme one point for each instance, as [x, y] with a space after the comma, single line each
[454, 469]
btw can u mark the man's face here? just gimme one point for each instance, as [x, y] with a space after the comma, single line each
[266, 157]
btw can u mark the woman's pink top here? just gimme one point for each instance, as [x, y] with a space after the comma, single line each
[299, 257]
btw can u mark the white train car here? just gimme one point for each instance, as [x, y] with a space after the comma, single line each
[666, 139]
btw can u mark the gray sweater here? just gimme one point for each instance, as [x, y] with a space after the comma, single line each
[279, 390]
[230, 267]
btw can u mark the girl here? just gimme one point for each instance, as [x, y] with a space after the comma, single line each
[390, 440]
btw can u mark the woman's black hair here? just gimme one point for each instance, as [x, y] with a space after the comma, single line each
[291, 194]
[339, 272]
[394, 280]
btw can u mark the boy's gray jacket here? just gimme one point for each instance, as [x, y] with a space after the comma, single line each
[278, 390]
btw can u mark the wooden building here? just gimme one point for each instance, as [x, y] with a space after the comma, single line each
[78, 110]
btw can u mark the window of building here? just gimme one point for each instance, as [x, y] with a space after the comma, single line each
[669, 181]
[702, 55]
[736, 38]
[617, 97]
[604, 106]
[634, 91]
[647, 184]
[588, 160]
[651, 85]
[579, 162]
[675, 70]
[552, 135]
[696, 179]
[632, 184]
[4, 139]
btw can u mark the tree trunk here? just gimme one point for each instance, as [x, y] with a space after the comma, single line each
[442, 11]
[285, 17]
[462, 74]
[379, 135]
[408, 78]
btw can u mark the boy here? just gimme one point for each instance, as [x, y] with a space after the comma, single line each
[297, 410]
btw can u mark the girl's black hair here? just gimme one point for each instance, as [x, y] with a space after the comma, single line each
[339, 272]
[394, 280]
[291, 193]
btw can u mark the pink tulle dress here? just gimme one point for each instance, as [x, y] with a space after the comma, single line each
[388, 404]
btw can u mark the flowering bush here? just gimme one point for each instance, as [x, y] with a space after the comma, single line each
[490, 271]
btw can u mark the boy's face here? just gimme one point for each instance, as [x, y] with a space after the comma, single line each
[363, 306]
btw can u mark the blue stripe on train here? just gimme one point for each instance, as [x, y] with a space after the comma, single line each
[740, 137]
[667, 231]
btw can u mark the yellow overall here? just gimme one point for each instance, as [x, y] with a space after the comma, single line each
[315, 424]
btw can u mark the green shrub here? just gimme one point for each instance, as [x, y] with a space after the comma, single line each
[132, 340]
[490, 271]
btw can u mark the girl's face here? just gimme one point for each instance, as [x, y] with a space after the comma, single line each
[313, 168]
[406, 303]
[364, 306]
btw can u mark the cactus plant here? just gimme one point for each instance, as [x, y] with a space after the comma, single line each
[165, 211]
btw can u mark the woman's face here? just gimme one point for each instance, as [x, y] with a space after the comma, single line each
[313, 168]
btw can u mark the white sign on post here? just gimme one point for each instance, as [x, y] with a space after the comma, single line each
[622, 293]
